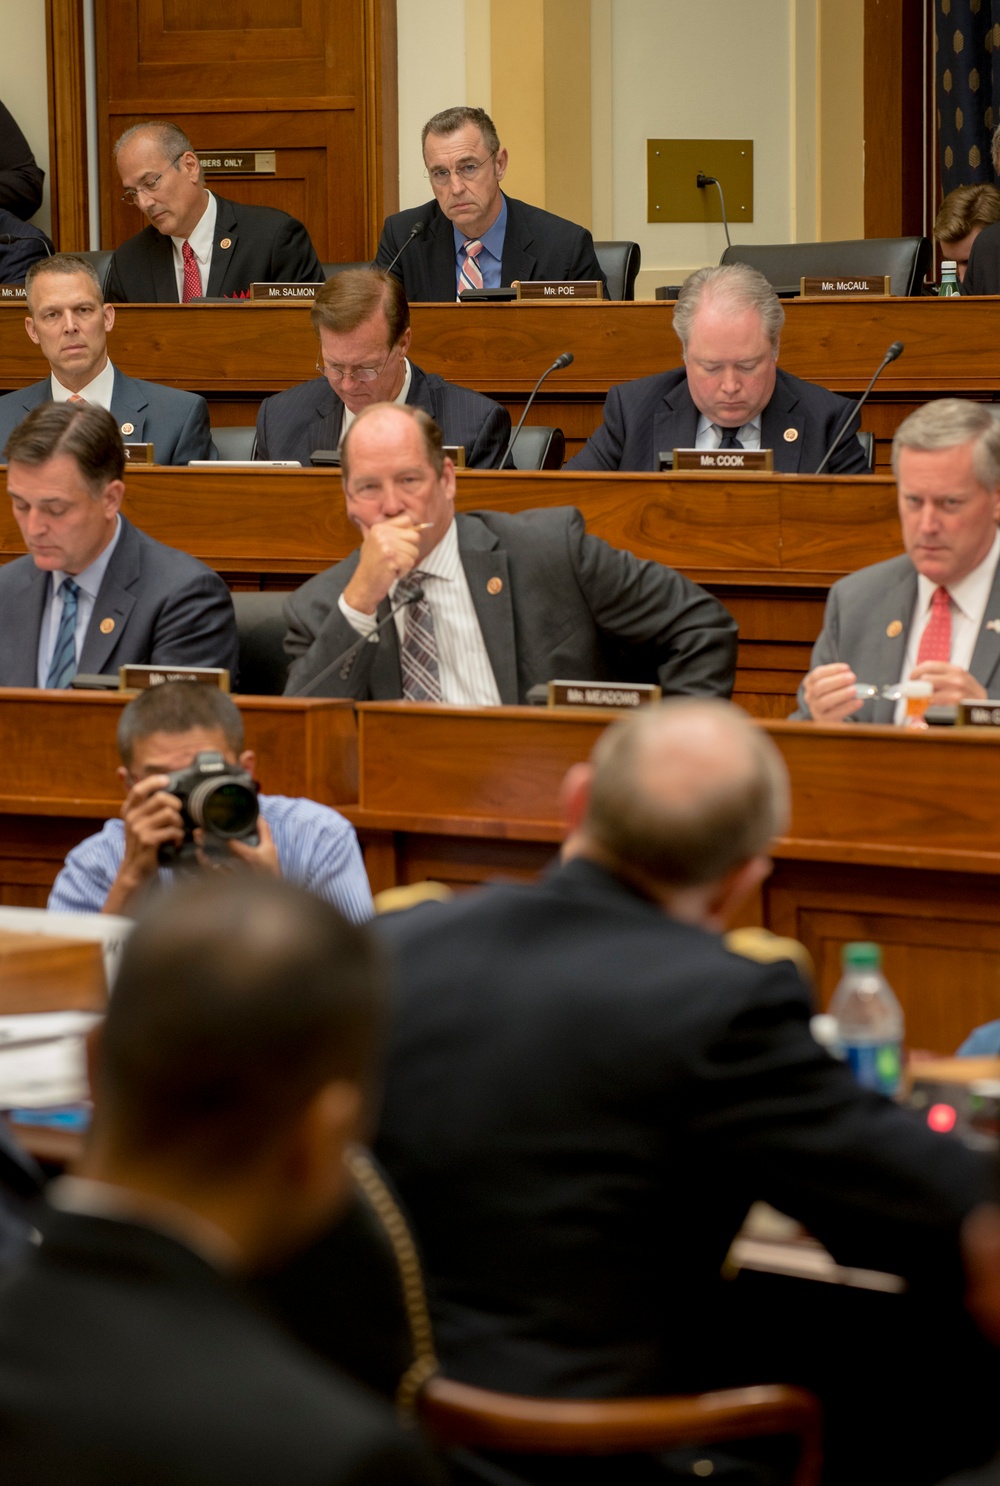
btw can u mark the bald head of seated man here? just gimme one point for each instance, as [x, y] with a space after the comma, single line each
[229, 1080]
[69, 322]
[197, 244]
[362, 321]
[730, 392]
[934, 614]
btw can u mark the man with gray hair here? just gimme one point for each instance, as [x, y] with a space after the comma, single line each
[197, 244]
[585, 1088]
[730, 392]
[933, 615]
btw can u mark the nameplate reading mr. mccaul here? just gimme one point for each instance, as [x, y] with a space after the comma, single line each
[727, 460]
[847, 286]
[601, 694]
[141, 678]
[284, 291]
[560, 289]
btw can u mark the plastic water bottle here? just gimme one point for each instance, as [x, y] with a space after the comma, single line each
[869, 1020]
[949, 279]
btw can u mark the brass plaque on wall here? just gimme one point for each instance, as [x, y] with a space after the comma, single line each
[672, 167]
[238, 162]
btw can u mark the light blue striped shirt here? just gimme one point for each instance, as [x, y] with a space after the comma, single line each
[317, 848]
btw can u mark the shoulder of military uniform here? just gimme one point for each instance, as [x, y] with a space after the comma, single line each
[765, 948]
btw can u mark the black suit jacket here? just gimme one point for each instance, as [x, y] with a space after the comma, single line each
[165, 607]
[565, 605]
[127, 1358]
[982, 273]
[537, 245]
[583, 1097]
[30, 247]
[292, 424]
[263, 246]
[657, 413]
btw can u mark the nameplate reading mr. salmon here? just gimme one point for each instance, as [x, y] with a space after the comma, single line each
[560, 289]
[729, 461]
[847, 286]
[141, 678]
[140, 454]
[602, 694]
[284, 291]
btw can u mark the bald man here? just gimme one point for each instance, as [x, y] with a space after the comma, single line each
[586, 1089]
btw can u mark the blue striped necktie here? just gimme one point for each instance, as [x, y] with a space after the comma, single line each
[63, 667]
[418, 654]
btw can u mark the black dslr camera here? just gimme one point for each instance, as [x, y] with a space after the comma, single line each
[221, 798]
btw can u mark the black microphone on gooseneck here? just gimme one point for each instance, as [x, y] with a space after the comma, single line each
[415, 231]
[896, 349]
[566, 359]
[352, 650]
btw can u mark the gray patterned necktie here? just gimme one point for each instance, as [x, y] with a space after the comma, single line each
[63, 666]
[418, 654]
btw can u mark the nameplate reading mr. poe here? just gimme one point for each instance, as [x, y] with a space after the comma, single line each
[141, 678]
[559, 289]
[602, 694]
[284, 291]
[847, 286]
[727, 461]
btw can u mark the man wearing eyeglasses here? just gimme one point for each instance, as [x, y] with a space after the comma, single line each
[473, 236]
[197, 244]
[363, 322]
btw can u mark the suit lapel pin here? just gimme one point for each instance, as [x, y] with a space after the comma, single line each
[791, 434]
[993, 624]
[226, 242]
[894, 628]
[128, 428]
[107, 625]
[494, 586]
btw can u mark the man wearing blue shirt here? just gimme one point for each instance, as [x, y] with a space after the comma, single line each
[162, 731]
[472, 236]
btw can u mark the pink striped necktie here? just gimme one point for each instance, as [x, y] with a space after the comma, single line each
[192, 276]
[935, 642]
[470, 276]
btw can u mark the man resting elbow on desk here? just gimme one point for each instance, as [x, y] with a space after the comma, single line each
[487, 604]
[934, 614]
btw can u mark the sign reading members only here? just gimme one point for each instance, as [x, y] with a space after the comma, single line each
[238, 162]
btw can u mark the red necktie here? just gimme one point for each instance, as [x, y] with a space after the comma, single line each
[935, 642]
[192, 278]
[470, 275]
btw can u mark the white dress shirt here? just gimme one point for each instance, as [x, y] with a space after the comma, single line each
[89, 582]
[202, 240]
[709, 435]
[467, 677]
[97, 391]
[969, 597]
[399, 399]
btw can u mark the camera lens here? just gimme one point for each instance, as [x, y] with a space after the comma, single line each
[223, 807]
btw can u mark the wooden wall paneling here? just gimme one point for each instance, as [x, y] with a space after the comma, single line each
[68, 185]
[895, 67]
[382, 74]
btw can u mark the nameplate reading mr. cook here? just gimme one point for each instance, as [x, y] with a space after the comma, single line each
[141, 678]
[601, 694]
[723, 459]
[284, 291]
[560, 289]
[238, 162]
[846, 286]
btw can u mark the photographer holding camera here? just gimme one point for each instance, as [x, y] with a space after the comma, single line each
[192, 803]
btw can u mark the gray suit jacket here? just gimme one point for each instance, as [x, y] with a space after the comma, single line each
[568, 606]
[175, 422]
[859, 612]
[167, 608]
[292, 424]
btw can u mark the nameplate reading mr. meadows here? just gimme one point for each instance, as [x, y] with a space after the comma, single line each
[601, 694]
[141, 678]
[238, 162]
[140, 454]
[284, 291]
[560, 289]
[16, 292]
[845, 287]
[728, 460]
[984, 714]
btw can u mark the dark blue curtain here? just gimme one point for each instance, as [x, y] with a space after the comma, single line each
[967, 74]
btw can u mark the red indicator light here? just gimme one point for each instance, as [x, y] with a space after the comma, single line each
[941, 1117]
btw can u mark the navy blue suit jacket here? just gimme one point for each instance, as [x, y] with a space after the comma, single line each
[537, 245]
[174, 422]
[292, 424]
[166, 607]
[17, 257]
[657, 413]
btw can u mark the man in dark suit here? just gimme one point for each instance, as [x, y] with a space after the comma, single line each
[21, 179]
[729, 393]
[473, 236]
[197, 244]
[363, 322]
[21, 245]
[229, 1079]
[93, 592]
[934, 614]
[489, 604]
[68, 319]
[585, 1089]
